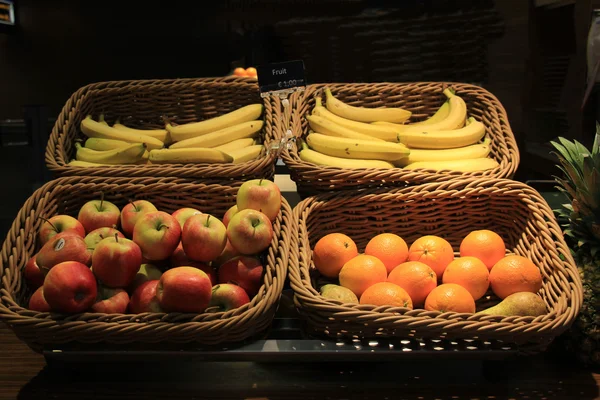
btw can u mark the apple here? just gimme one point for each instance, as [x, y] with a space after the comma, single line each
[261, 195]
[132, 212]
[158, 234]
[229, 213]
[70, 287]
[94, 237]
[58, 224]
[243, 271]
[180, 259]
[143, 299]
[63, 247]
[33, 274]
[227, 296]
[250, 231]
[184, 289]
[182, 214]
[147, 272]
[37, 302]
[110, 301]
[116, 262]
[99, 213]
[204, 237]
[227, 254]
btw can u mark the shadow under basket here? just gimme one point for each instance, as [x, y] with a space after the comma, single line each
[65, 196]
[450, 210]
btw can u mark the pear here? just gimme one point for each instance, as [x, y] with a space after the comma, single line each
[518, 304]
[339, 293]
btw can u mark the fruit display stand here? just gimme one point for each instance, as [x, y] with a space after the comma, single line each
[450, 210]
[422, 99]
[151, 104]
[44, 331]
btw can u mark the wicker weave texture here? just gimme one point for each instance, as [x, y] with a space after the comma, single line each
[66, 195]
[450, 210]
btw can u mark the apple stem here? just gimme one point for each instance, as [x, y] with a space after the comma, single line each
[162, 226]
[117, 237]
[101, 201]
[134, 206]
[207, 219]
[215, 288]
[48, 221]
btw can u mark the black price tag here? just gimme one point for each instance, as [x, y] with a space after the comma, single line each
[7, 12]
[281, 77]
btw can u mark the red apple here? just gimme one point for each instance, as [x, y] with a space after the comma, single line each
[180, 259]
[261, 195]
[243, 271]
[227, 296]
[70, 287]
[227, 254]
[110, 301]
[115, 261]
[132, 212]
[250, 231]
[229, 213]
[94, 237]
[33, 274]
[143, 299]
[99, 213]
[182, 214]
[158, 234]
[58, 224]
[63, 247]
[37, 302]
[204, 237]
[147, 272]
[184, 289]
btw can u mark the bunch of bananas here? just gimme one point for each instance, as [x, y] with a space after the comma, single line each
[229, 138]
[346, 136]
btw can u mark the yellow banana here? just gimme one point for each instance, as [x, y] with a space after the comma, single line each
[186, 131]
[95, 129]
[479, 150]
[246, 153]
[101, 120]
[364, 114]
[327, 127]
[429, 139]
[125, 155]
[467, 165]
[160, 134]
[439, 115]
[248, 129]
[315, 157]
[189, 156]
[356, 148]
[236, 144]
[104, 144]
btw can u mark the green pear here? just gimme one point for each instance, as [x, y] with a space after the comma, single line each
[339, 293]
[519, 304]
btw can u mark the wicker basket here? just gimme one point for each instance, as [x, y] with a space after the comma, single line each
[423, 99]
[145, 104]
[66, 195]
[450, 210]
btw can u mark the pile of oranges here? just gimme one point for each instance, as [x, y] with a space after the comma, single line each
[249, 72]
[427, 274]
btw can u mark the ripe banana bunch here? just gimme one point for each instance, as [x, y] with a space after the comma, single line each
[188, 156]
[95, 129]
[356, 148]
[364, 114]
[129, 154]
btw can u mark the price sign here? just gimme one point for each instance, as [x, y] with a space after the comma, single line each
[283, 77]
[7, 12]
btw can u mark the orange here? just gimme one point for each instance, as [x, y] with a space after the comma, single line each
[416, 278]
[361, 272]
[331, 252]
[470, 273]
[486, 245]
[389, 248]
[386, 294]
[251, 71]
[433, 251]
[239, 71]
[514, 274]
[450, 297]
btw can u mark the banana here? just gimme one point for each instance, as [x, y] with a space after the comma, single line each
[104, 144]
[387, 133]
[126, 155]
[466, 165]
[327, 127]
[439, 115]
[429, 139]
[186, 131]
[236, 144]
[245, 153]
[189, 156]
[364, 114]
[95, 129]
[248, 129]
[479, 150]
[315, 157]
[356, 148]
[101, 120]
[160, 134]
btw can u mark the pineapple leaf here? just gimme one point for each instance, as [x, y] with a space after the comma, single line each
[568, 207]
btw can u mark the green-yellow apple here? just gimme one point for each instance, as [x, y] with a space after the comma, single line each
[229, 213]
[158, 234]
[99, 213]
[132, 212]
[33, 274]
[228, 296]
[65, 246]
[261, 195]
[115, 261]
[143, 299]
[227, 254]
[204, 237]
[37, 302]
[58, 224]
[184, 289]
[94, 237]
[244, 271]
[70, 287]
[147, 272]
[182, 214]
[110, 300]
[250, 231]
